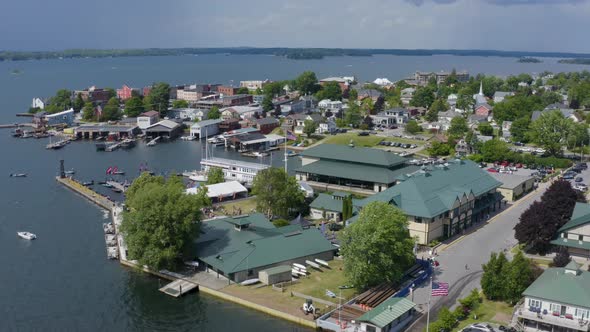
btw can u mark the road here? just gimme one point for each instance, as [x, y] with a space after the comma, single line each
[472, 251]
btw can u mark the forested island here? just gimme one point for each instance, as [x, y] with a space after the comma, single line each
[529, 60]
[291, 53]
[578, 61]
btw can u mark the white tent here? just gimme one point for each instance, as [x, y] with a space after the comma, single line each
[220, 190]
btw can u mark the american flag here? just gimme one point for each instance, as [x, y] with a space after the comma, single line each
[291, 136]
[440, 289]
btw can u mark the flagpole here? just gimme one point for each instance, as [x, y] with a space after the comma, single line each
[428, 314]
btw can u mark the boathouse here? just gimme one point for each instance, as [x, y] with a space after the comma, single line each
[205, 128]
[239, 247]
[93, 131]
[164, 128]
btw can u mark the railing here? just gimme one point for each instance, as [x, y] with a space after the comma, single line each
[549, 318]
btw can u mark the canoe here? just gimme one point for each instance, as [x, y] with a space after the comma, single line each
[312, 264]
[321, 262]
[299, 266]
[250, 282]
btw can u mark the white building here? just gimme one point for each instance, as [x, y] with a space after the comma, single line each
[406, 95]
[241, 171]
[390, 117]
[499, 96]
[330, 105]
[144, 120]
[243, 111]
[38, 103]
[452, 99]
[205, 128]
[326, 127]
[198, 114]
[253, 85]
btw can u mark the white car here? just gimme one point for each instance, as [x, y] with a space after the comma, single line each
[479, 327]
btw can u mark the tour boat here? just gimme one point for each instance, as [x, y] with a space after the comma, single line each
[18, 175]
[27, 235]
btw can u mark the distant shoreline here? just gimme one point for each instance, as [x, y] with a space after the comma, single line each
[290, 53]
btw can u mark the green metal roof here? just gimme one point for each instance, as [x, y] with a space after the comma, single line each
[360, 172]
[240, 220]
[434, 190]
[261, 244]
[277, 269]
[361, 155]
[557, 285]
[580, 216]
[388, 311]
[571, 243]
[328, 203]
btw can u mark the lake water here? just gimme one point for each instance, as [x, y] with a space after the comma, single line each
[63, 281]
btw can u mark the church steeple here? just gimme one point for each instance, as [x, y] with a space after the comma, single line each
[481, 88]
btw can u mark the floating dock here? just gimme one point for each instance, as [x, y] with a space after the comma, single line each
[178, 287]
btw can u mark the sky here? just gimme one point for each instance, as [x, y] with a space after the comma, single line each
[523, 25]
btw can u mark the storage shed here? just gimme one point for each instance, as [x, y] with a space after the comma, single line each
[274, 275]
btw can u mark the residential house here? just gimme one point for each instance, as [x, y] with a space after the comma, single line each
[343, 82]
[442, 200]
[126, 92]
[292, 106]
[559, 300]
[297, 121]
[241, 112]
[356, 167]
[462, 148]
[445, 118]
[499, 96]
[393, 116]
[238, 248]
[326, 127]
[257, 99]
[146, 119]
[567, 112]
[506, 126]
[406, 95]
[38, 103]
[205, 128]
[475, 119]
[266, 125]
[329, 105]
[192, 114]
[369, 93]
[575, 234]
[253, 85]
[452, 99]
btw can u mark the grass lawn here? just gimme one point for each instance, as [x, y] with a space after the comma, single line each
[247, 205]
[488, 311]
[316, 283]
[366, 141]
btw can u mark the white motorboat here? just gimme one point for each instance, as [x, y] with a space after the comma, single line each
[26, 235]
[198, 176]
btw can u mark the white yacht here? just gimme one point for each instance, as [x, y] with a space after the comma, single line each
[27, 235]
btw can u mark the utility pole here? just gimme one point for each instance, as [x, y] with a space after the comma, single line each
[429, 298]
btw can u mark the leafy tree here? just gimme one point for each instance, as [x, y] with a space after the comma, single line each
[214, 113]
[378, 105]
[267, 104]
[133, 106]
[518, 276]
[562, 258]
[161, 220]
[111, 110]
[516, 107]
[423, 97]
[485, 129]
[309, 127]
[88, 111]
[494, 150]
[412, 127]
[180, 103]
[394, 101]
[436, 107]
[33, 110]
[378, 247]
[367, 106]
[307, 83]
[273, 89]
[158, 98]
[439, 149]
[78, 103]
[472, 301]
[577, 136]
[445, 322]
[353, 95]
[347, 208]
[520, 129]
[60, 102]
[493, 280]
[465, 102]
[352, 115]
[277, 193]
[550, 131]
[111, 93]
[215, 175]
[242, 91]
[330, 90]
[458, 127]
[280, 223]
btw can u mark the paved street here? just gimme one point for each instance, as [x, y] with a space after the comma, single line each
[472, 250]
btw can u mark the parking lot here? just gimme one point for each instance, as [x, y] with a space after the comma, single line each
[578, 176]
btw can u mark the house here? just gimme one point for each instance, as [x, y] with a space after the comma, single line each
[266, 125]
[229, 125]
[258, 99]
[254, 85]
[192, 114]
[165, 128]
[559, 300]
[326, 127]
[442, 200]
[328, 206]
[483, 109]
[329, 105]
[499, 96]
[463, 148]
[240, 112]
[146, 119]
[575, 234]
[296, 122]
[292, 106]
[238, 248]
[391, 117]
[523, 85]
[227, 90]
[514, 186]
[205, 128]
[38, 103]
[126, 92]
[448, 116]
[392, 315]
[343, 82]
[369, 93]
[350, 166]
[452, 99]
[406, 95]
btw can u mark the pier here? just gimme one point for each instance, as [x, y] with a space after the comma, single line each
[117, 185]
[179, 287]
[86, 192]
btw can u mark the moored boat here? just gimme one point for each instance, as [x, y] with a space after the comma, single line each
[26, 235]
[18, 175]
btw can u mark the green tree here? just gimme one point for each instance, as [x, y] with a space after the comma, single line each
[423, 97]
[330, 90]
[111, 110]
[307, 83]
[214, 113]
[494, 150]
[436, 107]
[577, 136]
[412, 127]
[78, 103]
[160, 221]
[273, 89]
[485, 129]
[520, 129]
[215, 175]
[347, 208]
[352, 115]
[377, 246]
[158, 98]
[353, 95]
[309, 127]
[133, 107]
[242, 91]
[280, 223]
[60, 102]
[446, 321]
[493, 280]
[550, 131]
[458, 127]
[267, 104]
[277, 193]
[518, 276]
[88, 111]
[179, 103]
[465, 102]
[439, 149]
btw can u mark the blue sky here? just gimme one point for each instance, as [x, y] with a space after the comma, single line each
[529, 25]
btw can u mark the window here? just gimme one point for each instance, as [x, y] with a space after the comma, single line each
[534, 303]
[555, 307]
[418, 220]
[581, 237]
[582, 313]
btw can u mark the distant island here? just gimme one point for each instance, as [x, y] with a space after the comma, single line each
[578, 61]
[290, 53]
[527, 59]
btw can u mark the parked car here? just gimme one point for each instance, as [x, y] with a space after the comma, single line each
[579, 179]
[492, 170]
[479, 327]
[567, 176]
[363, 133]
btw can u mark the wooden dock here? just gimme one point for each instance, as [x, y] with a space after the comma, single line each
[179, 287]
[86, 192]
[117, 185]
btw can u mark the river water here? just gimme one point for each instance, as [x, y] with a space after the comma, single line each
[62, 281]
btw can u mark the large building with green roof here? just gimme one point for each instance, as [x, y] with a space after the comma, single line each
[240, 247]
[350, 166]
[559, 300]
[575, 234]
[442, 200]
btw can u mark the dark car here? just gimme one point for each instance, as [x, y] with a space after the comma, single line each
[579, 179]
[568, 176]
[363, 133]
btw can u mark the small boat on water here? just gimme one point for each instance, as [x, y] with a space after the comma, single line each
[17, 132]
[107, 185]
[198, 176]
[88, 183]
[117, 190]
[188, 138]
[26, 134]
[70, 172]
[119, 172]
[128, 143]
[292, 154]
[26, 235]
[18, 175]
